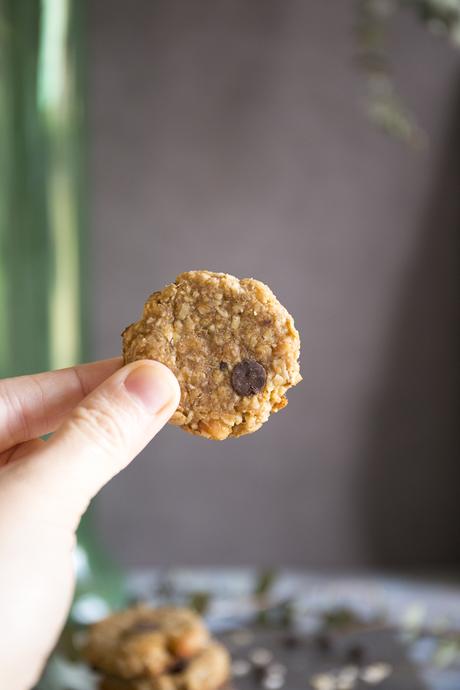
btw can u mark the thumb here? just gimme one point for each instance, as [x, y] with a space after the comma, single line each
[100, 437]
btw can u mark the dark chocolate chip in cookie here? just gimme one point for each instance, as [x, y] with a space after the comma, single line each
[323, 642]
[140, 628]
[355, 654]
[179, 667]
[223, 366]
[248, 377]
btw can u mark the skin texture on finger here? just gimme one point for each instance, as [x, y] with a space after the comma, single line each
[34, 405]
[102, 435]
[42, 497]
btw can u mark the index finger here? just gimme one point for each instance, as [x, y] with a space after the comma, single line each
[31, 406]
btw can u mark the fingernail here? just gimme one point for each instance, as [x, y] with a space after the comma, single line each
[151, 384]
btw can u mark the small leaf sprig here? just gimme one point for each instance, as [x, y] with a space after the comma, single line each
[385, 107]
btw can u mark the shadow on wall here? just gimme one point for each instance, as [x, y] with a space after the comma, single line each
[411, 463]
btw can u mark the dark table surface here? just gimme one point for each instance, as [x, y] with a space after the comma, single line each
[310, 631]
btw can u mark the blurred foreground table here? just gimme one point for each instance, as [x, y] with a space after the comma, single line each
[299, 631]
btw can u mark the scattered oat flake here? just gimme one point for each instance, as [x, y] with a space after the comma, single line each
[261, 657]
[344, 684]
[323, 681]
[240, 667]
[277, 669]
[346, 678]
[376, 673]
[274, 682]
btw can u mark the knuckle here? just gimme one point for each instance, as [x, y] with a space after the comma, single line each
[13, 419]
[98, 424]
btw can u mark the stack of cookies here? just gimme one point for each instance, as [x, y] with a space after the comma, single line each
[156, 649]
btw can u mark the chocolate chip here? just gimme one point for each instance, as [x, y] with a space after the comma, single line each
[291, 641]
[178, 667]
[248, 377]
[140, 628]
[355, 654]
[240, 667]
[223, 366]
[323, 642]
[259, 674]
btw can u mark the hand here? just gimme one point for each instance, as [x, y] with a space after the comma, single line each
[102, 416]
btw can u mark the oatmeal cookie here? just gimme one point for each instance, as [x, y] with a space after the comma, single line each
[208, 670]
[231, 344]
[142, 641]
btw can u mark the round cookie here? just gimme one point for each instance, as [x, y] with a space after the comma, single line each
[208, 670]
[144, 642]
[231, 344]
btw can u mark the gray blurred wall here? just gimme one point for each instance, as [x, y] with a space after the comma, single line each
[231, 136]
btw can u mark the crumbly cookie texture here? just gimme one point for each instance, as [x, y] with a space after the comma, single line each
[231, 344]
[208, 670]
[144, 642]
